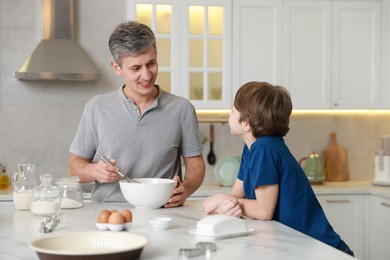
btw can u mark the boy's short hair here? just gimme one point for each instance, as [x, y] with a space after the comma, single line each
[267, 108]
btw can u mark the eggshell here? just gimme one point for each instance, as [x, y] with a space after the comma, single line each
[116, 218]
[103, 217]
[127, 215]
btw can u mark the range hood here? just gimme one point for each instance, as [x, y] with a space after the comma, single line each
[58, 56]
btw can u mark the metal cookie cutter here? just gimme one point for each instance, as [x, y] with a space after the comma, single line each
[202, 248]
[50, 224]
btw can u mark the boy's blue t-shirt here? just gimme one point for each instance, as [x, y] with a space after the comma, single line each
[269, 161]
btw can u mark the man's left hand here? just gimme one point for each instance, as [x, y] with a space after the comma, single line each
[179, 194]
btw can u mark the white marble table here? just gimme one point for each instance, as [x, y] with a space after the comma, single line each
[270, 239]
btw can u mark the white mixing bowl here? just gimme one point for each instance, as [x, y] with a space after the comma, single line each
[150, 193]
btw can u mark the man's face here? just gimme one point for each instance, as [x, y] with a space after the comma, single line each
[139, 72]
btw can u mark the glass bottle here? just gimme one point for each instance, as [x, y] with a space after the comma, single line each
[4, 181]
[23, 183]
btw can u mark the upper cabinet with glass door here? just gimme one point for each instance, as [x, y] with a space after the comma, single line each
[193, 46]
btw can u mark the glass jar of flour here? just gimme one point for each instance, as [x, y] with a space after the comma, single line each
[46, 200]
[72, 194]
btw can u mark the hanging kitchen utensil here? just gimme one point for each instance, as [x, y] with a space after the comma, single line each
[211, 158]
[336, 161]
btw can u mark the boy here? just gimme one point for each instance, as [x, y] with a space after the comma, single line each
[271, 184]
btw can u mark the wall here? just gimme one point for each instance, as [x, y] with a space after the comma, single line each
[38, 119]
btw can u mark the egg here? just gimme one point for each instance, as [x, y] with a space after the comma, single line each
[104, 215]
[127, 215]
[116, 218]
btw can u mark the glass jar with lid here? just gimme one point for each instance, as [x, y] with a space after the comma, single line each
[46, 200]
[72, 194]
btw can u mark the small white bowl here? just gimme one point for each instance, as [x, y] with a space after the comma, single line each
[112, 227]
[116, 227]
[127, 225]
[102, 226]
[160, 223]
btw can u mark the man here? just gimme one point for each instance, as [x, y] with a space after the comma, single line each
[141, 128]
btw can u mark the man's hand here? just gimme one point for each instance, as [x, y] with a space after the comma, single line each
[179, 196]
[105, 173]
[90, 171]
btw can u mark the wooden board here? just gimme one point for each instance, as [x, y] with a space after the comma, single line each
[336, 161]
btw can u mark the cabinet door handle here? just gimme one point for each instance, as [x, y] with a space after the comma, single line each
[337, 201]
[385, 204]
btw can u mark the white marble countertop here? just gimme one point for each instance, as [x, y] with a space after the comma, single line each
[269, 240]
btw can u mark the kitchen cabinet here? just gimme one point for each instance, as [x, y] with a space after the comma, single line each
[194, 47]
[347, 215]
[257, 38]
[380, 228]
[356, 54]
[326, 53]
[306, 48]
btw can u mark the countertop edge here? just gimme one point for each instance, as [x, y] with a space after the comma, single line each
[326, 188]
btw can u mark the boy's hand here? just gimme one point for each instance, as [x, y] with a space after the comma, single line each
[212, 203]
[230, 207]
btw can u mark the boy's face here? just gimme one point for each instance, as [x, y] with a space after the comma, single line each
[236, 127]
